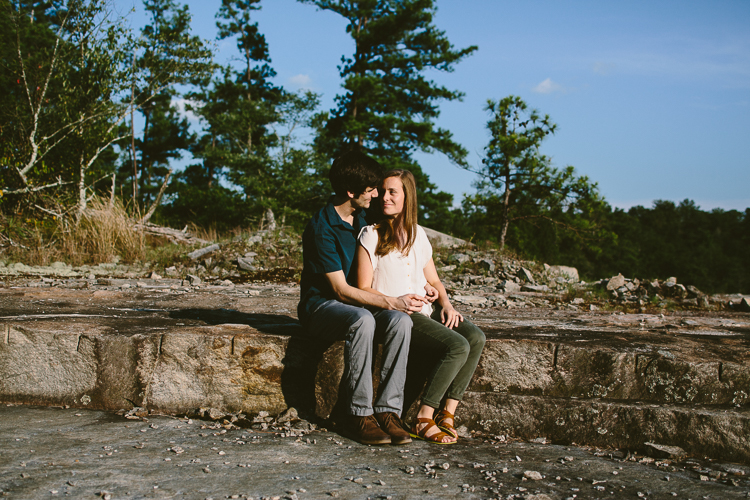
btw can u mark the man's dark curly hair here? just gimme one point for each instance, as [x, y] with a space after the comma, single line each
[354, 172]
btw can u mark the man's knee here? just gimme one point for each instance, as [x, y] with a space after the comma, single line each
[397, 323]
[363, 323]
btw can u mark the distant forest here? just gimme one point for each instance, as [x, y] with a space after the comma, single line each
[93, 109]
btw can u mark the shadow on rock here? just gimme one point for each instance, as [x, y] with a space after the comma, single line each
[274, 324]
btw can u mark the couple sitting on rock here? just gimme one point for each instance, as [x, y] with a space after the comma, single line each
[365, 284]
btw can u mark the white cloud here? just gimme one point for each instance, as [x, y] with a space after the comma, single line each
[301, 81]
[548, 87]
[181, 106]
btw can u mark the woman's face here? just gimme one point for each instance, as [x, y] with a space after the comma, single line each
[392, 199]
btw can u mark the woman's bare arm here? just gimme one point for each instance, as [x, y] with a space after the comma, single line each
[449, 315]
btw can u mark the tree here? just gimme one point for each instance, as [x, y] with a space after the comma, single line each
[64, 66]
[238, 110]
[389, 107]
[167, 55]
[518, 183]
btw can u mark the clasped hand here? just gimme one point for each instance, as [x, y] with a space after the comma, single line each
[410, 303]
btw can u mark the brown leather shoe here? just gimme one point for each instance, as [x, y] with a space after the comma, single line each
[366, 430]
[391, 424]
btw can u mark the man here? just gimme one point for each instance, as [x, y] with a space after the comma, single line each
[331, 307]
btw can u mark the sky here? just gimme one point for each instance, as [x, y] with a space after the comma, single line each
[651, 99]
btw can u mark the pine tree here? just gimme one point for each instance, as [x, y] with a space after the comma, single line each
[167, 55]
[389, 106]
[518, 183]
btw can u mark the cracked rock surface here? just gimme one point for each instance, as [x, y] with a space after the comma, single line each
[74, 453]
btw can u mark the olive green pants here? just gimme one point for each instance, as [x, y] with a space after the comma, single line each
[459, 351]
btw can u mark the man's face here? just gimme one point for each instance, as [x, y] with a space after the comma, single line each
[363, 200]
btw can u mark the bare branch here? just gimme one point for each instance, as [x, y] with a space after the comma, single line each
[28, 189]
[58, 215]
[156, 202]
[35, 112]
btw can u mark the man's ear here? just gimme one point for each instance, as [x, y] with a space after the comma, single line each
[351, 195]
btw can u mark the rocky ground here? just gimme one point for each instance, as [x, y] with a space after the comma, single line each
[74, 453]
[477, 279]
[641, 360]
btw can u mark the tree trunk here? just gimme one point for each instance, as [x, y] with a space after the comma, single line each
[81, 190]
[506, 203]
[132, 139]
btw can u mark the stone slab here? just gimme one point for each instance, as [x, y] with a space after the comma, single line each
[74, 453]
[239, 349]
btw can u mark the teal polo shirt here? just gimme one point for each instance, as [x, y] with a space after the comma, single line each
[328, 245]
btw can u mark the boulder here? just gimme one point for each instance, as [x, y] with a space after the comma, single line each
[616, 282]
[487, 265]
[459, 258]
[246, 263]
[509, 286]
[570, 273]
[439, 239]
[525, 275]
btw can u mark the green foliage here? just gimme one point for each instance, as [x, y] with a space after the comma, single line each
[389, 107]
[705, 249]
[63, 68]
[523, 201]
[166, 55]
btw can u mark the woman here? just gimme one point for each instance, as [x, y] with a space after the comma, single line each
[394, 257]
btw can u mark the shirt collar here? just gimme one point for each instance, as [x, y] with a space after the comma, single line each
[334, 219]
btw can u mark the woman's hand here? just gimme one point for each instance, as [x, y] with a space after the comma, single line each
[431, 293]
[450, 317]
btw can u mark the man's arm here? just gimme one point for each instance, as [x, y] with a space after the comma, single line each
[348, 294]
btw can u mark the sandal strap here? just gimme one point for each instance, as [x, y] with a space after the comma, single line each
[422, 433]
[446, 414]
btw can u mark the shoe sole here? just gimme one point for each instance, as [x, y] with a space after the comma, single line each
[374, 441]
[448, 431]
[405, 440]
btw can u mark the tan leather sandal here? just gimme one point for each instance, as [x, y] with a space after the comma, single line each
[422, 433]
[441, 420]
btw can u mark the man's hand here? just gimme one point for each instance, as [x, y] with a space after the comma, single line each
[450, 317]
[431, 293]
[409, 303]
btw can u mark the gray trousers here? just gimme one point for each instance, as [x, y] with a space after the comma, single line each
[360, 329]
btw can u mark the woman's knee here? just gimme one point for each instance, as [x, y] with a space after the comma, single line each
[474, 336]
[460, 348]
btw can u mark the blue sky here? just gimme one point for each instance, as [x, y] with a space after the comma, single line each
[652, 99]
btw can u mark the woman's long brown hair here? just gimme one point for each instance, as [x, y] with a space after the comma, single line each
[389, 229]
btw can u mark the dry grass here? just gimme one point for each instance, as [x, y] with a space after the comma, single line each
[103, 233]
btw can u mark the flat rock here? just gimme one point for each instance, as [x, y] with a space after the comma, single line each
[612, 380]
[664, 451]
[443, 240]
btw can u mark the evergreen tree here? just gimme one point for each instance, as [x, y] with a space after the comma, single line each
[389, 107]
[518, 183]
[238, 109]
[167, 55]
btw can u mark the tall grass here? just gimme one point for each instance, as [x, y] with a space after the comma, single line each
[103, 233]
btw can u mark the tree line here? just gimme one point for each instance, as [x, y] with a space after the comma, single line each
[90, 106]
